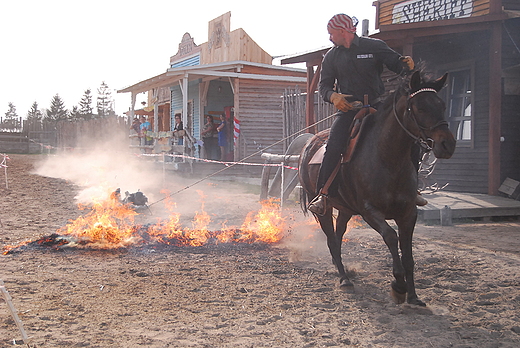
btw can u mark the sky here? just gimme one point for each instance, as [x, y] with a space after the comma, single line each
[65, 47]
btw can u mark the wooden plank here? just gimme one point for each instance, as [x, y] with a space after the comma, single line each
[509, 186]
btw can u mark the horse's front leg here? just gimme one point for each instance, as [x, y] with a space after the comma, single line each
[378, 223]
[334, 240]
[406, 228]
[341, 227]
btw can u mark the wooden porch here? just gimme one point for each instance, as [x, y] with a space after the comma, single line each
[467, 206]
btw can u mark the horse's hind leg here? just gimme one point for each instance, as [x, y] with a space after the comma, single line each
[334, 240]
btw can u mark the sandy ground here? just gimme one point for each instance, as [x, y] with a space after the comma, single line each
[283, 295]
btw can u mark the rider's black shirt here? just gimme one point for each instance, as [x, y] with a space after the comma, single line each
[357, 70]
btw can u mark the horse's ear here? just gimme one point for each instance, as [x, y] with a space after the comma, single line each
[440, 82]
[415, 81]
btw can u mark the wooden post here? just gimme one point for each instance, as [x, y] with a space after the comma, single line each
[312, 84]
[155, 100]
[14, 312]
[279, 178]
[264, 185]
[309, 110]
[495, 107]
[282, 184]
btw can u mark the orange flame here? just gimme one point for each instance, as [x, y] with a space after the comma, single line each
[109, 223]
[266, 226]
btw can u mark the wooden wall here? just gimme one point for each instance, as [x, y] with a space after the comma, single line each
[467, 170]
[510, 126]
[226, 46]
[240, 47]
[511, 5]
[260, 115]
[510, 147]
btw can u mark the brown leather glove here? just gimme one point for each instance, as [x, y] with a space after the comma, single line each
[407, 62]
[340, 102]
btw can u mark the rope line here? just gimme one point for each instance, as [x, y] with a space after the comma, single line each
[240, 161]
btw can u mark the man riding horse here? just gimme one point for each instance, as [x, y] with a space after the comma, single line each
[351, 70]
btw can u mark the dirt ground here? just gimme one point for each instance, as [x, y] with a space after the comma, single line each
[283, 295]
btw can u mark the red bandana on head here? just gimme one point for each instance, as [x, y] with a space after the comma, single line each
[342, 21]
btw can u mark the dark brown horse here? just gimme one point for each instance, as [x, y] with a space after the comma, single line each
[380, 181]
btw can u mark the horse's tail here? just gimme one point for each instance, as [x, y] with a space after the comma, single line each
[307, 175]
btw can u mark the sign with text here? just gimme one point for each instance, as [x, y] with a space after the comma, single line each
[413, 11]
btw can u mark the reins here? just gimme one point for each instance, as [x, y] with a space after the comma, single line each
[425, 142]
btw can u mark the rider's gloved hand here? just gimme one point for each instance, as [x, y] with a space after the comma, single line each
[407, 62]
[340, 102]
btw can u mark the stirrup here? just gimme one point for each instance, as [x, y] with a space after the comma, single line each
[318, 205]
[420, 200]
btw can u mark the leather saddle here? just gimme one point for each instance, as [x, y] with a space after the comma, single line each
[356, 128]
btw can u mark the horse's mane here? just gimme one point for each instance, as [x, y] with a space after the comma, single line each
[403, 88]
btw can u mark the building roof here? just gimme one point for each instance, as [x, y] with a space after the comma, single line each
[232, 69]
[311, 57]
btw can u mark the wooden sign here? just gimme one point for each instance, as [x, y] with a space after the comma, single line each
[413, 11]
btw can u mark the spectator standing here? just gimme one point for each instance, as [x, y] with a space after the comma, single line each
[209, 136]
[145, 128]
[177, 128]
[222, 137]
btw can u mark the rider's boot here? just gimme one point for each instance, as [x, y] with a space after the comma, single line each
[318, 205]
[327, 169]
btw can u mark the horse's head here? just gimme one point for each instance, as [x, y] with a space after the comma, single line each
[426, 109]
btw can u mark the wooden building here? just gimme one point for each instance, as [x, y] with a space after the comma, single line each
[478, 43]
[230, 74]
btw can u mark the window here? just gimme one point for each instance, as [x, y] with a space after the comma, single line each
[459, 101]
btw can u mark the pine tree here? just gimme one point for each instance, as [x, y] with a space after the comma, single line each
[104, 101]
[74, 114]
[57, 112]
[34, 114]
[11, 120]
[85, 106]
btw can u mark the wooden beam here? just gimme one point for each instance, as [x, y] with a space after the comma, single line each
[376, 4]
[309, 110]
[311, 58]
[238, 152]
[312, 84]
[495, 107]
[248, 76]
[495, 6]
[184, 88]
[448, 23]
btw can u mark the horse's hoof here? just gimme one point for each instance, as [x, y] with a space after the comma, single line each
[345, 284]
[397, 297]
[416, 302]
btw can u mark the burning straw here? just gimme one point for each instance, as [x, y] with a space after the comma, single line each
[110, 224]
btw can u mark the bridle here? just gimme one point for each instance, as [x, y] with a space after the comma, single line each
[423, 140]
